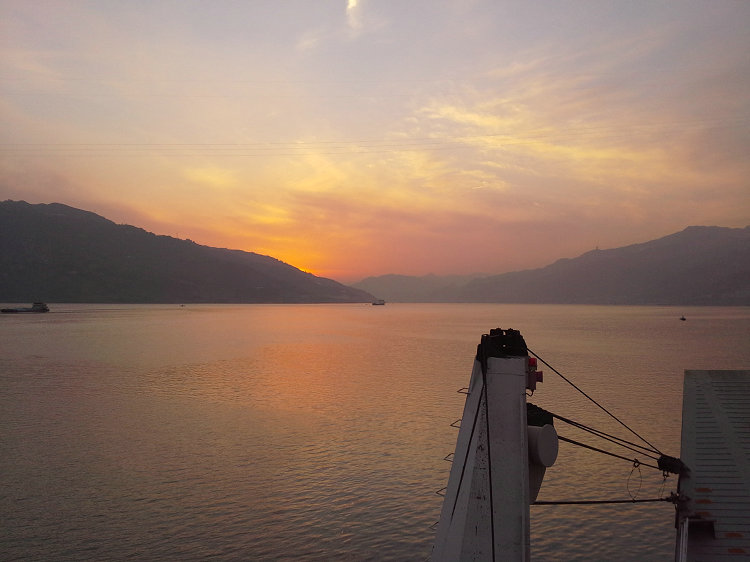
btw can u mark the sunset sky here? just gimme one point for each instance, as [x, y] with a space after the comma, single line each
[382, 136]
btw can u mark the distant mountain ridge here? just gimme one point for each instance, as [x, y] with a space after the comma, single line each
[56, 253]
[701, 265]
[406, 288]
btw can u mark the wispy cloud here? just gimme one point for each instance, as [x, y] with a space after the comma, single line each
[328, 139]
[354, 15]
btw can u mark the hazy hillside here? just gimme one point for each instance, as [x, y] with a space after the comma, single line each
[57, 253]
[698, 266]
[405, 288]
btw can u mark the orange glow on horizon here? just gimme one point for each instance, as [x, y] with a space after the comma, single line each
[325, 140]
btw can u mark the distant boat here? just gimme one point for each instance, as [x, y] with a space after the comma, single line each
[34, 308]
[378, 302]
[683, 318]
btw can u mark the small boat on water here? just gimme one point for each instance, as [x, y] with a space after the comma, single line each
[36, 307]
[378, 302]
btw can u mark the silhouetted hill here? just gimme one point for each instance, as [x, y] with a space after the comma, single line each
[698, 266]
[57, 253]
[405, 288]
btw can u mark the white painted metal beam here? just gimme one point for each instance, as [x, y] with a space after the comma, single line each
[485, 513]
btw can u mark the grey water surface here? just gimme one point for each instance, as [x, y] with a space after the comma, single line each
[318, 432]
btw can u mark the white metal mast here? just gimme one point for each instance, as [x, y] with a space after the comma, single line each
[485, 514]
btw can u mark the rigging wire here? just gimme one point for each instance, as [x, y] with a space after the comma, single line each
[635, 462]
[489, 452]
[618, 420]
[607, 437]
[342, 146]
[671, 499]
[665, 463]
[466, 457]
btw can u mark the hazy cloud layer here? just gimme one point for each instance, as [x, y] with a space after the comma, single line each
[352, 138]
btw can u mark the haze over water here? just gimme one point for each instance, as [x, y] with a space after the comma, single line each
[317, 432]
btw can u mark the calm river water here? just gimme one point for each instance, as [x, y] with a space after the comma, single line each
[285, 432]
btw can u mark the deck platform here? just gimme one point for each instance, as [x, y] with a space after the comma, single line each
[714, 522]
